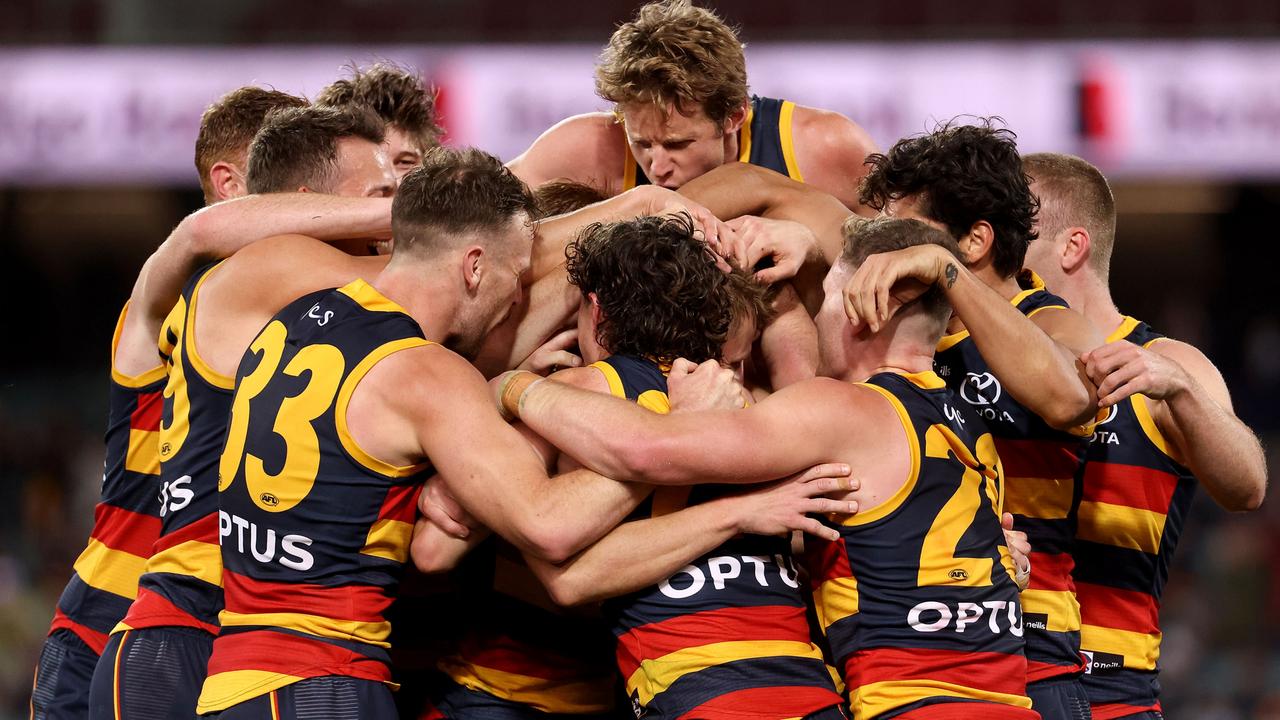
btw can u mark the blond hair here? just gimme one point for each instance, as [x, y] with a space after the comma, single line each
[1074, 193]
[675, 54]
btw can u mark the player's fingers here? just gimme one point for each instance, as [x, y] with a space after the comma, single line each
[563, 340]
[1117, 378]
[823, 506]
[809, 526]
[441, 519]
[1006, 521]
[771, 275]
[825, 470]
[561, 359]
[1132, 387]
[680, 368]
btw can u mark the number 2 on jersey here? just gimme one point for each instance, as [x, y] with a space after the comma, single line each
[280, 491]
[939, 564]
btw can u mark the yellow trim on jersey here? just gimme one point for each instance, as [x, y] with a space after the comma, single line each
[225, 689]
[548, 696]
[1120, 526]
[927, 380]
[629, 167]
[1043, 498]
[372, 633]
[1060, 605]
[1033, 280]
[200, 560]
[785, 134]
[1140, 650]
[143, 455]
[654, 400]
[115, 571]
[362, 368]
[368, 298]
[835, 600]
[115, 676]
[131, 381]
[874, 699]
[744, 136]
[886, 508]
[611, 376]
[654, 676]
[949, 341]
[1149, 427]
[1038, 310]
[275, 705]
[203, 369]
[1126, 326]
[389, 539]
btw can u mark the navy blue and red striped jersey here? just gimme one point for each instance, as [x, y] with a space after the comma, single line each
[1041, 468]
[1136, 499]
[917, 598]
[126, 520]
[315, 531]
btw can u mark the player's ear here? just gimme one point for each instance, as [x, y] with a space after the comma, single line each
[594, 303]
[1075, 251]
[473, 267]
[227, 181]
[977, 243]
[733, 123]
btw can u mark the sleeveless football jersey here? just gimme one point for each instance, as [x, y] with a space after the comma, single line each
[314, 530]
[1136, 499]
[764, 140]
[917, 598]
[1040, 467]
[126, 521]
[726, 636]
[182, 584]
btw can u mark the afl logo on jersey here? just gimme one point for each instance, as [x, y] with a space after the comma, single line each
[980, 389]
[958, 574]
[269, 500]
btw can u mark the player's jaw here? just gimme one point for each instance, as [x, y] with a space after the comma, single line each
[673, 148]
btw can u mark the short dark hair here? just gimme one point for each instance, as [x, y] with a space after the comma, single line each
[864, 237]
[455, 192]
[396, 94]
[298, 147]
[751, 299]
[660, 293]
[962, 174]
[228, 126]
[558, 197]
[1075, 193]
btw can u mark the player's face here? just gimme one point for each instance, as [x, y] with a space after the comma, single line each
[1044, 253]
[742, 335]
[402, 152]
[363, 170]
[672, 148]
[510, 266]
[834, 327]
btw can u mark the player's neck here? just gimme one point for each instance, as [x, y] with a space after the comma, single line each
[1089, 295]
[731, 147]
[1006, 287]
[894, 352]
[425, 296]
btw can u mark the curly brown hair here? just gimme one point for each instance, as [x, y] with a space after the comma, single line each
[396, 94]
[963, 174]
[228, 126]
[675, 53]
[660, 292]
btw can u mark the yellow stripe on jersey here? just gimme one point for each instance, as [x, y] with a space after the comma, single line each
[1126, 326]
[196, 559]
[369, 298]
[115, 571]
[130, 381]
[1060, 605]
[744, 136]
[610, 373]
[1149, 428]
[206, 372]
[1043, 498]
[548, 696]
[654, 400]
[656, 675]
[225, 689]
[349, 443]
[835, 600]
[143, 455]
[389, 539]
[1140, 650]
[876, 698]
[1121, 526]
[787, 137]
[373, 633]
[884, 509]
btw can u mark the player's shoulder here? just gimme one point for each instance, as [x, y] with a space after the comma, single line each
[587, 377]
[588, 148]
[828, 131]
[1191, 358]
[277, 250]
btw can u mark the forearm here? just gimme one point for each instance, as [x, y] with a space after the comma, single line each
[553, 235]
[219, 230]
[789, 344]
[1222, 452]
[434, 550]
[612, 567]
[573, 510]
[1032, 367]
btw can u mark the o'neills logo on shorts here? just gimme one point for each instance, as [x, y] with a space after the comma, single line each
[1100, 662]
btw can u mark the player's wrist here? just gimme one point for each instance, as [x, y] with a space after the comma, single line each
[511, 390]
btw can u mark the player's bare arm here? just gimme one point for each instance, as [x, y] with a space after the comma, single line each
[830, 150]
[220, 230]
[1038, 370]
[586, 148]
[1192, 409]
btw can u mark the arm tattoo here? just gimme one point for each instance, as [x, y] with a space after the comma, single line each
[951, 274]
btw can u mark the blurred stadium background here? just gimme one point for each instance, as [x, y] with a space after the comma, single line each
[1178, 101]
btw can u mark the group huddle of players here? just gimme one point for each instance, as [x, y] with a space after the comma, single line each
[715, 320]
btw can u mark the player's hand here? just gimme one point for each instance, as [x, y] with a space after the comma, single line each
[781, 507]
[554, 354]
[788, 244]
[662, 201]
[1121, 369]
[442, 510]
[709, 386]
[1019, 550]
[887, 281]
